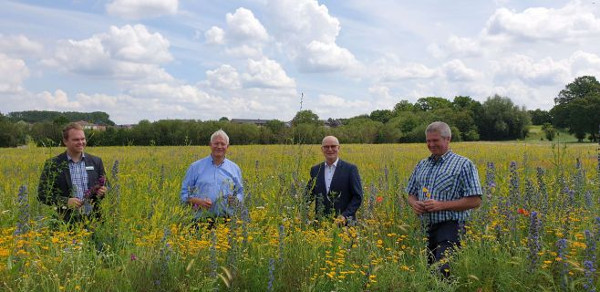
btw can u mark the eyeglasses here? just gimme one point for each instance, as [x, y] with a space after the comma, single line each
[329, 146]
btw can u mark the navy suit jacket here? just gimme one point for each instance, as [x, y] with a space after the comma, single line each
[55, 187]
[345, 192]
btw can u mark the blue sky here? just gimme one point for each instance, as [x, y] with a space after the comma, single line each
[169, 59]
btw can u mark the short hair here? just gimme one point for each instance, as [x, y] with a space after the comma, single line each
[221, 133]
[439, 127]
[334, 138]
[69, 127]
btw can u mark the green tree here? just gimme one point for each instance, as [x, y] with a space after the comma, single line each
[549, 131]
[502, 120]
[540, 117]
[577, 107]
[432, 103]
[403, 106]
[306, 117]
[382, 116]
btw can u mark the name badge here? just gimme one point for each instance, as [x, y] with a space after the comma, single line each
[89, 167]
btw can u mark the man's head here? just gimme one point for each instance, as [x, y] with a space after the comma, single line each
[438, 136]
[219, 141]
[330, 147]
[74, 138]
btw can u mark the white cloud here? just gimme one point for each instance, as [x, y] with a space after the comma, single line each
[244, 36]
[137, 9]
[390, 71]
[584, 63]
[19, 45]
[244, 27]
[215, 35]
[320, 56]
[12, 74]
[59, 100]
[570, 22]
[543, 72]
[308, 34]
[224, 77]
[335, 106]
[455, 70]
[266, 73]
[130, 52]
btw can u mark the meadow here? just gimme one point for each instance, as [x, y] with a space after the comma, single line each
[537, 229]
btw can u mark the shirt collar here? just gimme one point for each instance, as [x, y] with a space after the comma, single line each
[69, 158]
[335, 163]
[212, 160]
[442, 158]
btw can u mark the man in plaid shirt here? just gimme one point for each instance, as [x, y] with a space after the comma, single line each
[442, 190]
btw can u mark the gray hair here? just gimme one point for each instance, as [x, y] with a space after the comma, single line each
[221, 133]
[334, 138]
[440, 127]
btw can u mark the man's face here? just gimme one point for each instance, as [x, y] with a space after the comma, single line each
[330, 150]
[437, 144]
[75, 142]
[218, 147]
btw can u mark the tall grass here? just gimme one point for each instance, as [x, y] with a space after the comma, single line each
[535, 230]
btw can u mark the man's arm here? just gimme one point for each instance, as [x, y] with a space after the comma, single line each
[49, 190]
[357, 193]
[187, 187]
[416, 205]
[462, 204]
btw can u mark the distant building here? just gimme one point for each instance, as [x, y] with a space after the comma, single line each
[91, 126]
[258, 122]
[250, 121]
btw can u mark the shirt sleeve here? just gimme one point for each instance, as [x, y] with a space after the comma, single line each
[471, 184]
[412, 187]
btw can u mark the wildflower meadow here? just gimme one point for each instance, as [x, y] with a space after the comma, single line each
[538, 227]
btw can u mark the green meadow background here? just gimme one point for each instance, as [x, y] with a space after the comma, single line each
[537, 229]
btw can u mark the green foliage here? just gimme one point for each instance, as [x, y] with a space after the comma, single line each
[502, 120]
[549, 131]
[51, 116]
[305, 117]
[540, 117]
[577, 107]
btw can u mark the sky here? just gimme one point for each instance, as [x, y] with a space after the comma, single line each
[268, 59]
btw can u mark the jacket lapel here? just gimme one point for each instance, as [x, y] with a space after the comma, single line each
[64, 163]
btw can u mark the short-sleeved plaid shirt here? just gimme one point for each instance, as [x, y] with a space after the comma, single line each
[449, 178]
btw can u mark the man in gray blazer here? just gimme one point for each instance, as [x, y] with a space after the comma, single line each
[74, 182]
[335, 185]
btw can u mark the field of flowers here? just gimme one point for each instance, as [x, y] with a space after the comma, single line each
[538, 227]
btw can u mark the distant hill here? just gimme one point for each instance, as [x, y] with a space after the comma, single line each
[101, 118]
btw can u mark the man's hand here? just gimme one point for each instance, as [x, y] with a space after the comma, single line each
[417, 206]
[201, 203]
[101, 191]
[341, 220]
[74, 203]
[433, 205]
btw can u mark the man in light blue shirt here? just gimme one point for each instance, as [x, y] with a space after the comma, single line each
[213, 185]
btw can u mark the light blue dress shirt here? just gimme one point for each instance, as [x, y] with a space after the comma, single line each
[205, 180]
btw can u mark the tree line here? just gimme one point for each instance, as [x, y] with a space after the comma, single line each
[498, 118]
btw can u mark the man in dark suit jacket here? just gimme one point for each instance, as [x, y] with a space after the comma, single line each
[335, 184]
[73, 182]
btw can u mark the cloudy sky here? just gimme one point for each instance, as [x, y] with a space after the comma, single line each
[170, 59]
